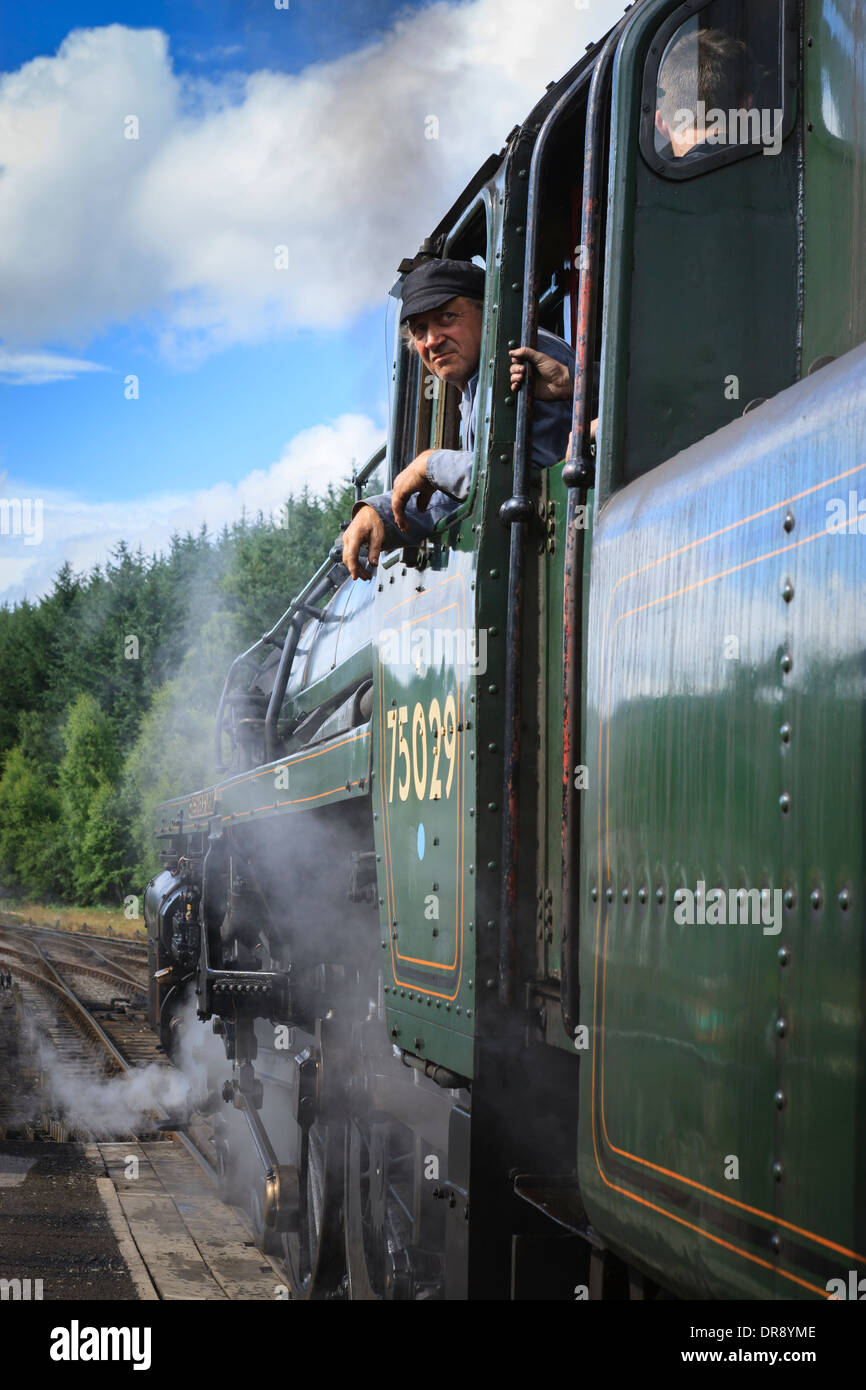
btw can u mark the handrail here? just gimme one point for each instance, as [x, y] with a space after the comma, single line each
[268, 638]
[359, 479]
[578, 476]
[515, 513]
[300, 603]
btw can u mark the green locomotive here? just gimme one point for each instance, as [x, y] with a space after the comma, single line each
[530, 904]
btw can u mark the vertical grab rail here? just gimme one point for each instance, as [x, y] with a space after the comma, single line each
[515, 513]
[578, 474]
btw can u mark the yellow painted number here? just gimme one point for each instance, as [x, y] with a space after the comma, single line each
[403, 751]
[436, 731]
[412, 752]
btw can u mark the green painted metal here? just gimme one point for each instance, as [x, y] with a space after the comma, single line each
[725, 625]
[834, 58]
[724, 737]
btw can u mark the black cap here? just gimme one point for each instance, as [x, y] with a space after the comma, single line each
[436, 282]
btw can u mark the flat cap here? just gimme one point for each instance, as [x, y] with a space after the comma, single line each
[436, 282]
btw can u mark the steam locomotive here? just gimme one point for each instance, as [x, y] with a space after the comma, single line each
[528, 904]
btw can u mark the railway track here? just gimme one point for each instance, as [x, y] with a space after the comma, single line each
[87, 1002]
[87, 1009]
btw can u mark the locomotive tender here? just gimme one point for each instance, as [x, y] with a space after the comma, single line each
[455, 904]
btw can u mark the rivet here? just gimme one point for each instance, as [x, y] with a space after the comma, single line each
[788, 523]
[786, 663]
[491, 747]
[779, 1098]
[625, 895]
[784, 803]
[785, 733]
[491, 984]
[788, 897]
[491, 864]
[844, 900]
[775, 1244]
[491, 805]
[815, 898]
[784, 955]
[494, 574]
[594, 895]
[660, 895]
[493, 689]
[778, 1172]
[641, 894]
[609, 894]
[491, 926]
[787, 591]
[781, 1028]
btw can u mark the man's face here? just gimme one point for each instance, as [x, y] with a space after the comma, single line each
[448, 339]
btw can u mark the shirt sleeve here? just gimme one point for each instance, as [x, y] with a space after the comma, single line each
[421, 524]
[551, 420]
[450, 470]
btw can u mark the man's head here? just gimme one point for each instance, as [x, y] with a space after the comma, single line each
[442, 316]
[708, 67]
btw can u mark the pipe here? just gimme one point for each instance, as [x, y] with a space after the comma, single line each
[578, 476]
[515, 512]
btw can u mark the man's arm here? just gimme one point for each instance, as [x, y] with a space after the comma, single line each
[373, 526]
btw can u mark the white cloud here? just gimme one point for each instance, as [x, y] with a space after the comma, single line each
[180, 225]
[36, 368]
[83, 532]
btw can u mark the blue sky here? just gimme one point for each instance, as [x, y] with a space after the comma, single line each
[306, 129]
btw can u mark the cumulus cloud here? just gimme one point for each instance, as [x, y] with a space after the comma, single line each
[83, 532]
[180, 226]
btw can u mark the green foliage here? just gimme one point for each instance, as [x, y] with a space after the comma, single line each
[109, 690]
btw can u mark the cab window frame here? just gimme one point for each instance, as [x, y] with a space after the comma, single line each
[481, 205]
[679, 169]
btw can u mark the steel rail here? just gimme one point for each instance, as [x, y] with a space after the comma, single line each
[82, 1015]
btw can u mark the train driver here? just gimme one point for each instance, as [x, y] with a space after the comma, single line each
[442, 311]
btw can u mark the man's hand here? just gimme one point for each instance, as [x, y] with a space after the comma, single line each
[366, 528]
[553, 380]
[412, 480]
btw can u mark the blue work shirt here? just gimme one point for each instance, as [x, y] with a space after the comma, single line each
[450, 470]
